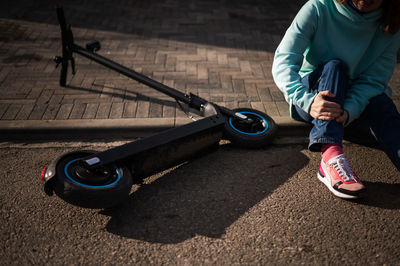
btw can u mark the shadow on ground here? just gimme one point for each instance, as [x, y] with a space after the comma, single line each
[381, 195]
[206, 196]
[122, 94]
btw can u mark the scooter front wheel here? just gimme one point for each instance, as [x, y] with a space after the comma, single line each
[105, 187]
[257, 132]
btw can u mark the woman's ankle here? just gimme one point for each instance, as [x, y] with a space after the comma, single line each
[331, 150]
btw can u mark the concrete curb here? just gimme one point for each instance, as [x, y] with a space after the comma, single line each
[112, 128]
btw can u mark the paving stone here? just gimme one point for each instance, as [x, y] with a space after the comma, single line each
[191, 69]
[231, 105]
[51, 112]
[213, 79]
[271, 109]
[245, 66]
[169, 110]
[277, 96]
[3, 74]
[117, 110]
[238, 85]
[202, 72]
[118, 96]
[12, 112]
[257, 70]
[226, 82]
[212, 56]
[56, 99]
[264, 94]
[129, 110]
[77, 111]
[251, 91]
[77, 79]
[161, 59]
[244, 105]
[283, 108]
[90, 111]
[258, 106]
[37, 112]
[107, 91]
[222, 59]
[87, 82]
[3, 108]
[155, 109]
[103, 111]
[45, 97]
[79, 96]
[69, 100]
[216, 98]
[143, 107]
[64, 111]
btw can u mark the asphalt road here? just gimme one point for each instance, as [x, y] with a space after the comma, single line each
[233, 206]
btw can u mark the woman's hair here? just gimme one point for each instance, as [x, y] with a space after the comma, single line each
[390, 19]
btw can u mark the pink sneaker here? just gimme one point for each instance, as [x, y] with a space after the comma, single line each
[337, 175]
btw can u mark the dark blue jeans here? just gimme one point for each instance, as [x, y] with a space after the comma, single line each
[380, 117]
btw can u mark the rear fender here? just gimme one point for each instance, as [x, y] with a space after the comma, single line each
[51, 172]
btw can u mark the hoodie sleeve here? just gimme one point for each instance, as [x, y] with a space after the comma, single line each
[289, 57]
[372, 82]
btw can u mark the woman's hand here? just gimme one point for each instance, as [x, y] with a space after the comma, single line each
[323, 109]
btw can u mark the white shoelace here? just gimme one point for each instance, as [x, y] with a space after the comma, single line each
[342, 166]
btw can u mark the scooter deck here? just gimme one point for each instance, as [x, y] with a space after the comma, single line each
[152, 154]
[172, 146]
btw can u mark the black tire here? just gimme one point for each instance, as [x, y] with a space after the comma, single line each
[252, 135]
[106, 188]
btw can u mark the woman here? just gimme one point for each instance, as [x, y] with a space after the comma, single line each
[333, 66]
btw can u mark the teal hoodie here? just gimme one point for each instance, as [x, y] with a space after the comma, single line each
[324, 30]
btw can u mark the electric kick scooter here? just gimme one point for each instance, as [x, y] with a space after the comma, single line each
[104, 179]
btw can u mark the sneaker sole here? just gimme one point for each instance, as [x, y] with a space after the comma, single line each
[334, 191]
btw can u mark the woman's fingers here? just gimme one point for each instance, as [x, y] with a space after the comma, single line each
[327, 111]
[331, 105]
[326, 94]
[324, 109]
[325, 118]
[326, 115]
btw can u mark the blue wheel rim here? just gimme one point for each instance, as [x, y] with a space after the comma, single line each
[90, 186]
[247, 133]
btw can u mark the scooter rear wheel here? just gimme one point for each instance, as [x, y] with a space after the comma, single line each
[256, 134]
[101, 188]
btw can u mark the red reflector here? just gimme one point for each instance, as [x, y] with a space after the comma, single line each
[42, 176]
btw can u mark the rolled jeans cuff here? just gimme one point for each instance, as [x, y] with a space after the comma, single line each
[315, 145]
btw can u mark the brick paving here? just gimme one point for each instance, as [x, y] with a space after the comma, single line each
[220, 50]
